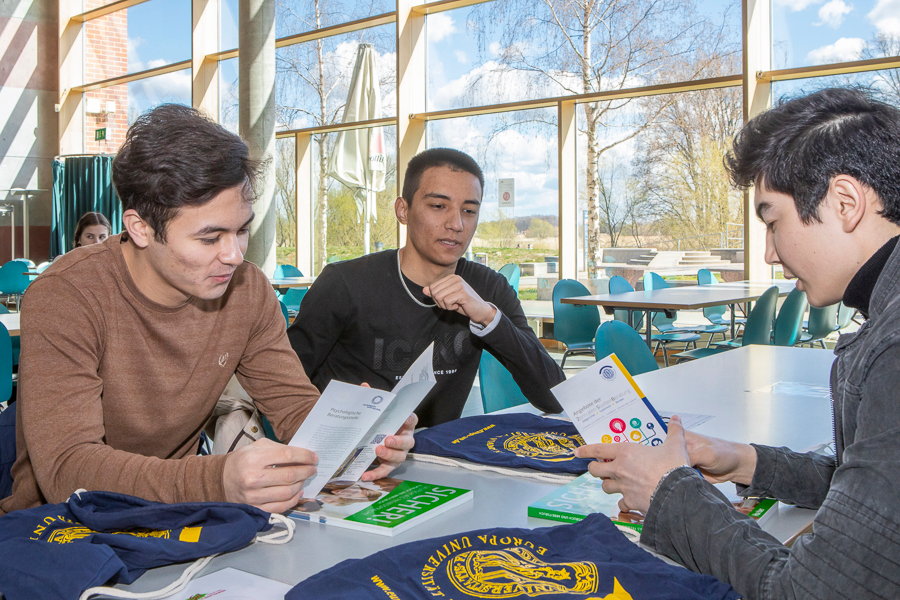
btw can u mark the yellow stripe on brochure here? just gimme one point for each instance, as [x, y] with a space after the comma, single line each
[628, 375]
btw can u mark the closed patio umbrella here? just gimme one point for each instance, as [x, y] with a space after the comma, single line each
[358, 159]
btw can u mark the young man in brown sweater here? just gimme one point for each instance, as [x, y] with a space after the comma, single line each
[127, 345]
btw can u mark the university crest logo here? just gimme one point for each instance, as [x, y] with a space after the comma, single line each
[493, 567]
[547, 446]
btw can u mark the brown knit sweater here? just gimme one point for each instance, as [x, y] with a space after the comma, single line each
[114, 389]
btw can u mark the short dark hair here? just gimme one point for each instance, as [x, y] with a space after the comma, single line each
[174, 156]
[86, 220]
[437, 157]
[798, 146]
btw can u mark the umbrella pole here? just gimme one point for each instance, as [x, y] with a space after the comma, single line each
[367, 229]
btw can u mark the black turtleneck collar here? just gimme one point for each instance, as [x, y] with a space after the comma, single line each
[859, 293]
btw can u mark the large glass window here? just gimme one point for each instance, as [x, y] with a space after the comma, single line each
[339, 210]
[312, 79]
[300, 16]
[286, 217]
[510, 50]
[884, 83]
[816, 32]
[657, 186]
[144, 36]
[229, 94]
[519, 213]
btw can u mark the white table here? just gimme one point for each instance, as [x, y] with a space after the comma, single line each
[689, 297]
[735, 388]
[11, 321]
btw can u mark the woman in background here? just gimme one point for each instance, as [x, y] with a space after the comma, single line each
[92, 228]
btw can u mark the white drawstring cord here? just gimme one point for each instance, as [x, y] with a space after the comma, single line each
[281, 536]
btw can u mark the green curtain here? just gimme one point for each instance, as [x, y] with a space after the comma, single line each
[81, 184]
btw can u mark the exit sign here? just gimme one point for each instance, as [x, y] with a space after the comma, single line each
[100, 134]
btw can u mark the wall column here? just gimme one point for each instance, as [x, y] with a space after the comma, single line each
[757, 24]
[256, 42]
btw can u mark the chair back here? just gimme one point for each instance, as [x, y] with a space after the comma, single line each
[498, 388]
[282, 271]
[293, 297]
[758, 329]
[706, 277]
[654, 281]
[789, 321]
[714, 314]
[512, 272]
[573, 323]
[6, 364]
[620, 285]
[629, 346]
[13, 279]
[822, 321]
[284, 311]
[845, 314]
[43, 266]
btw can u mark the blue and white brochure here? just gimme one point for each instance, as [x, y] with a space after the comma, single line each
[608, 407]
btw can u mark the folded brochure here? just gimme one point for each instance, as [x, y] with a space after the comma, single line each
[349, 421]
[385, 506]
[607, 406]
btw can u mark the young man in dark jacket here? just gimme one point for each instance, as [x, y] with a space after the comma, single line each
[827, 173]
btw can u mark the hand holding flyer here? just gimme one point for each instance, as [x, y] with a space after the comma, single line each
[607, 406]
[349, 421]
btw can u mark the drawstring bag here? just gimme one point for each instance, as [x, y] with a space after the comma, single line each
[66, 550]
[590, 560]
[514, 444]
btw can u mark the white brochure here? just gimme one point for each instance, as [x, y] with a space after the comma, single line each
[349, 421]
[607, 406]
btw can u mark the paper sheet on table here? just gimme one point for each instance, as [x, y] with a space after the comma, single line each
[232, 584]
[607, 406]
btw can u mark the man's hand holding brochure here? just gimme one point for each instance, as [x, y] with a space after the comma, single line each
[348, 422]
[609, 408]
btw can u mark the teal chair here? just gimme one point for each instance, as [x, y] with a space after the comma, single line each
[14, 280]
[498, 388]
[284, 311]
[292, 299]
[669, 333]
[282, 271]
[15, 340]
[634, 318]
[573, 324]
[617, 337]
[845, 316]
[713, 314]
[758, 329]
[822, 321]
[512, 272]
[789, 321]
[6, 364]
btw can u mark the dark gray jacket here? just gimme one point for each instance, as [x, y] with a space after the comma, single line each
[854, 549]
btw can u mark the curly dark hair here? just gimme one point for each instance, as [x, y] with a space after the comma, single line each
[174, 156]
[798, 146]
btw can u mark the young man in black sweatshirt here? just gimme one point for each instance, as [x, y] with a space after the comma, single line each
[367, 319]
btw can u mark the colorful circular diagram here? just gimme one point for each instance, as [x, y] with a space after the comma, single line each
[636, 435]
[635, 422]
[617, 425]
